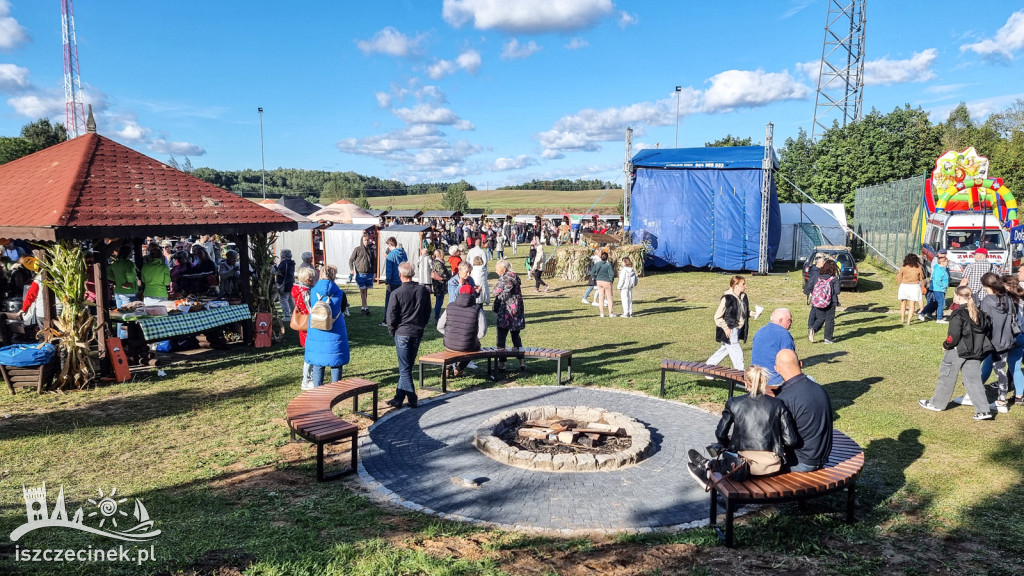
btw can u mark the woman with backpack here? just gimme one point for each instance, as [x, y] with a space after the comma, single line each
[1001, 311]
[603, 273]
[911, 280]
[824, 300]
[304, 280]
[966, 344]
[327, 337]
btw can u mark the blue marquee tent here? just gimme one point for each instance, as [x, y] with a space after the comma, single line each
[701, 207]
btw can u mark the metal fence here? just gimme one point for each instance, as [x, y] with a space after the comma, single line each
[889, 217]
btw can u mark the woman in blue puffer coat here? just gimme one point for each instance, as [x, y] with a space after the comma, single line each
[328, 348]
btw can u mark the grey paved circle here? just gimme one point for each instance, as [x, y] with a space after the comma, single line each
[410, 457]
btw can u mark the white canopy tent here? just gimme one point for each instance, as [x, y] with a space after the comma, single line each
[807, 225]
[339, 242]
[408, 236]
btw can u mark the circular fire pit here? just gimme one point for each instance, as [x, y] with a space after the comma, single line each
[563, 439]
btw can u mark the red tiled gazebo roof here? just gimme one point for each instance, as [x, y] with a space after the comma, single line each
[93, 187]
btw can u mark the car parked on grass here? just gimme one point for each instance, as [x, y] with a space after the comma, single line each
[843, 257]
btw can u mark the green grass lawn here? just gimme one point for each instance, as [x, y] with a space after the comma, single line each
[207, 450]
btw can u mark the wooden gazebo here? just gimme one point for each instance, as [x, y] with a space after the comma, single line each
[92, 188]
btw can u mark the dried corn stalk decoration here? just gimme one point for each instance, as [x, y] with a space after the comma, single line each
[572, 261]
[264, 290]
[65, 274]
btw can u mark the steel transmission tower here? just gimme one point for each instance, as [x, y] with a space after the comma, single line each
[75, 110]
[841, 72]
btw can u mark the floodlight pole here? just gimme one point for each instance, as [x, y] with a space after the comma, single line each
[263, 163]
[627, 192]
[679, 90]
[767, 170]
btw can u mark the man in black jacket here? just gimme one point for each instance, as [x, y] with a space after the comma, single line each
[407, 315]
[361, 264]
[811, 408]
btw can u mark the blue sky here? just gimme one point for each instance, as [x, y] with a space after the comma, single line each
[493, 91]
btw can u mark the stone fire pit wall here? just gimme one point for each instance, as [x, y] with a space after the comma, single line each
[487, 440]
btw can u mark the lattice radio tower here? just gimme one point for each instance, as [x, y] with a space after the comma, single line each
[75, 109]
[841, 73]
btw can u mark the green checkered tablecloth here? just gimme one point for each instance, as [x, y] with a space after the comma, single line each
[164, 327]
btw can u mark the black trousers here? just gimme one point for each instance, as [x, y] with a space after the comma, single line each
[823, 317]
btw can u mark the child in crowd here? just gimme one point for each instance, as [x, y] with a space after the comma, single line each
[627, 280]
[966, 344]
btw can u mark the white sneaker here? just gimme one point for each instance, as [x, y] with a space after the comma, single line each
[942, 321]
[471, 365]
[964, 400]
[595, 303]
[612, 315]
[602, 314]
[920, 317]
[307, 385]
[585, 301]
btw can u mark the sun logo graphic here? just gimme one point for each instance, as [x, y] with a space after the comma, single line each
[108, 510]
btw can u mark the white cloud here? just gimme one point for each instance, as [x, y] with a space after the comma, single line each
[514, 163]
[392, 42]
[430, 93]
[161, 146]
[13, 78]
[946, 88]
[429, 114]
[917, 68]
[39, 105]
[11, 33]
[627, 19]
[132, 131]
[421, 152]
[795, 6]
[469, 61]
[383, 99]
[440, 69]
[1005, 41]
[526, 16]
[745, 88]
[883, 71]
[586, 129]
[514, 51]
[576, 43]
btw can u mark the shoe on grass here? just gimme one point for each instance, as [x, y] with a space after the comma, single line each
[983, 416]
[612, 315]
[585, 301]
[810, 334]
[1002, 407]
[927, 405]
[827, 341]
[942, 321]
[920, 317]
[595, 303]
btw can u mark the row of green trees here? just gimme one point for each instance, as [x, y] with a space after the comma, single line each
[884, 147]
[563, 185]
[34, 137]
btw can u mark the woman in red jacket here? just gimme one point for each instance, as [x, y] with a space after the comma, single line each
[304, 280]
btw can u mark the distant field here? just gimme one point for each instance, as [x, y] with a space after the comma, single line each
[511, 200]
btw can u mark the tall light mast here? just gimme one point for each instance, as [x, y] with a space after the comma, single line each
[75, 110]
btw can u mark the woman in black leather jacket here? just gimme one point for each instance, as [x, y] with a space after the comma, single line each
[756, 426]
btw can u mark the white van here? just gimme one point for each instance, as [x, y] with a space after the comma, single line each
[960, 234]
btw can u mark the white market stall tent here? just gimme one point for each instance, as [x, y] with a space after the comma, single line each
[298, 241]
[339, 242]
[805, 226]
[408, 236]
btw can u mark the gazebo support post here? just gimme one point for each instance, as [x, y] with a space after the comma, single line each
[100, 253]
[245, 286]
[139, 256]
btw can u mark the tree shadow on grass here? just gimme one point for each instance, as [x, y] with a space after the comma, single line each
[869, 330]
[826, 358]
[860, 320]
[845, 392]
[130, 409]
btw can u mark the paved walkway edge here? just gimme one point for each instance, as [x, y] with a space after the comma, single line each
[378, 493]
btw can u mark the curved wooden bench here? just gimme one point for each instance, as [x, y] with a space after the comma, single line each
[845, 463]
[446, 358]
[309, 416]
[731, 375]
